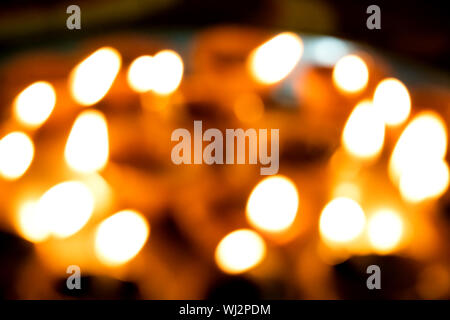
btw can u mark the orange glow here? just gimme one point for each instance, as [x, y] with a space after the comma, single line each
[92, 78]
[16, 155]
[275, 59]
[350, 74]
[385, 231]
[35, 103]
[240, 251]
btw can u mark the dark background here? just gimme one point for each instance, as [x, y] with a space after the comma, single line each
[412, 29]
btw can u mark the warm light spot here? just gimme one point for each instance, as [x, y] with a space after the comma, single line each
[66, 208]
[385, 229]
[31, 225]
[240, 251]
[423, 140]
[248, 108]
[347, 190]
[141, 74]
[392, 99]
[92, 78]
[16, 155]
[168, 70]
[276, 58]
[427, 180]
[350, 74]
[273, 204]
[342, 220]
[363, 134]
[35, 104]
[87, 147]
[120, 237]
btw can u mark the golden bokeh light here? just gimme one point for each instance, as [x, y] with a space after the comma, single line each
[141, 74]
[350, 74]
[272, 205]
[240, 251]
[120, 237]
[341, 221]
[363, 134]
[65, 208]
[16, 155]
[35, 103]
[30, 223]
[275, 59]
[91, 79]
[424, 140]
[87, 148]
[392, 99]
[168, 72]
[385, 229]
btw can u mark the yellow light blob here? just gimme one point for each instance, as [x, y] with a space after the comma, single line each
[35, 103]
[341, 221]
[272, 205]
[240, 251]
[350, 74]
[275, 59]
[249, 108]
[91, 79]
[87, 147]
[168, 72]
[385, 230]
[141, 74]
[30, 223]
[422, 141]
[120, 237]
[392, 99]
[426, 181]
[66, 208]
[363, 134]
[16, 155]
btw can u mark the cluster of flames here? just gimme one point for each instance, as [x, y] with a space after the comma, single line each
[416, 167]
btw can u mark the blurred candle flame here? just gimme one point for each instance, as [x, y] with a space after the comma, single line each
[168, 72]
[35, 103]
[240, 251]
[363, 134]
[350, 74]
[392, 99]
[342, 220]
[417, 163]
[275, 59]
[30, 224]
[120, 237]
[272, 205]
[65, 208]
[16, 155]
[91, 79]
[141, 74]
[385, 230]
[87, 147]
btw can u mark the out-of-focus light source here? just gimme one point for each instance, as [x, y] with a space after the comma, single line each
[120, 237]
[35, 103]
[92, 78]
[363, 134]
[87, 147]
[341, 221]
[141, 74]
[326, 51]
[424, 140]
[240, 251]
[350, 74]
[392, 99]
[426, 181]
[275, 59]
[31, 225]
[273, 204]
[385, 230]
[16, 155]
[66, 208]
[168, 72]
